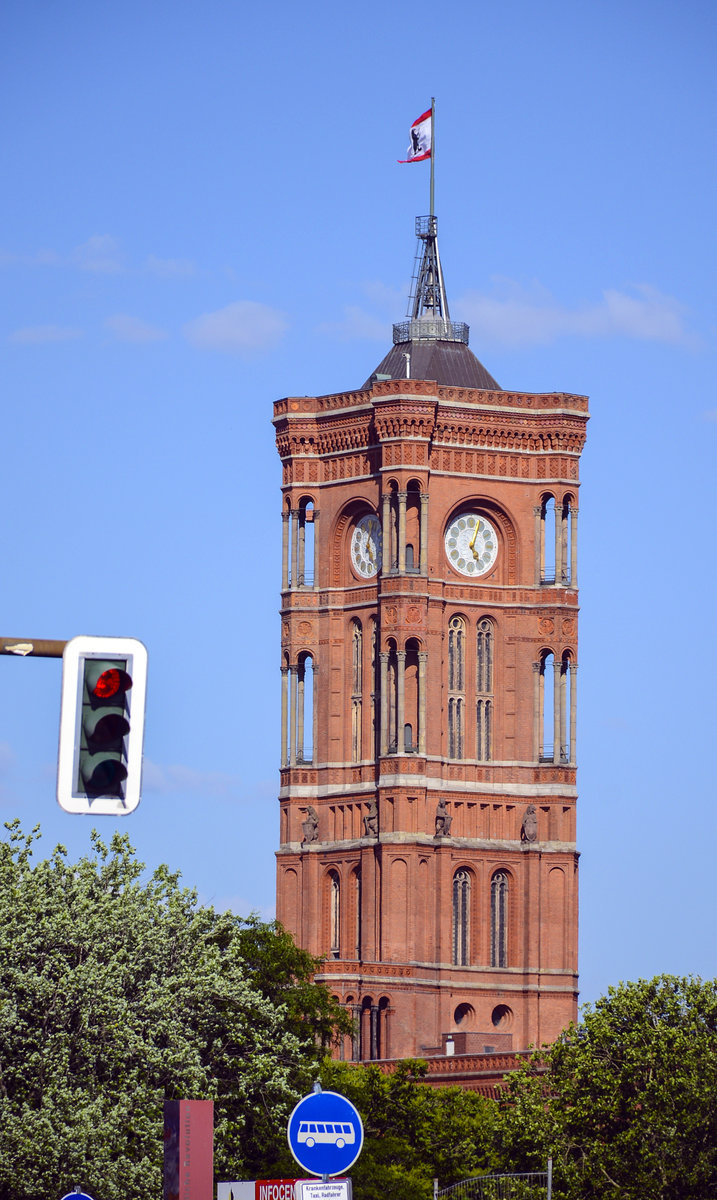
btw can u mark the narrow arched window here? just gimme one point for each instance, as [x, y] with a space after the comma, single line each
[356, 688]
[303, 568]
[484, 691]
[375, 683]
[461, 917]
[549, 746]
[566, 535]
[567, 709]
[334, 914]
[356, 899]
[413, 526]
[456, 685]
[549, 531]
[499, 920]
[356, 659]
[305, 709]
[392, 684]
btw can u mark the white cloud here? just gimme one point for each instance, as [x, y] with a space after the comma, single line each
[240, 328]
[35, 335]
[171, 268]
[514, 315]
[360, 324]
[100, 253]
[130, 329]
[356, 324]
[180, 778]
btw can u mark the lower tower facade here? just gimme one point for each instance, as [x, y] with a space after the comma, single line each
[429, 697]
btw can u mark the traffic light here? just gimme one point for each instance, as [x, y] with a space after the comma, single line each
[99, 769]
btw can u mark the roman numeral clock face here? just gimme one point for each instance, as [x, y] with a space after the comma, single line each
[366, 546]
[471, 545]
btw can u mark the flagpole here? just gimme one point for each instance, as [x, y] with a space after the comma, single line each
[433, 145]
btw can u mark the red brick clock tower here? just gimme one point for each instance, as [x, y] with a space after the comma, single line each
[429, 690]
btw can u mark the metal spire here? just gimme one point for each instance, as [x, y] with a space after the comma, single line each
[428, 315]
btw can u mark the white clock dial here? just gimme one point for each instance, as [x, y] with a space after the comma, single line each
[366, 546]
[471, 544]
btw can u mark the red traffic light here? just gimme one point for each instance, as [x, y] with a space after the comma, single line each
[112, 682]
[99, 767]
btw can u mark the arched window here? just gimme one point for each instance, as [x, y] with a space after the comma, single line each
[374, 1028]
[368, 1029]
[393, 528]
[334, 914]
[356, 901]
[375, 683]
[413, 527]
[567, 541]
[484, 691]
[456, 685]
[461, 917]
[356, 688]
[382, 1047]
[356, 659]
[546, 706]
[392, 690]
[410, 697]
[567, 709]
[305, 709]
[499, 919]
[305, 564]
[549, 532]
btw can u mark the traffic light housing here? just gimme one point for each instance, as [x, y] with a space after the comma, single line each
[104, 683]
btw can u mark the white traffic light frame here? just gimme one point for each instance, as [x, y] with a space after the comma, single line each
[76, 653]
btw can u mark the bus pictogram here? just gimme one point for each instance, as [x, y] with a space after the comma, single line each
[331, 1133]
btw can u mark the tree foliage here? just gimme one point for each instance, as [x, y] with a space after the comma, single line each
[626, 1101]
[118, 990]
[116, 993]
[413, 1132]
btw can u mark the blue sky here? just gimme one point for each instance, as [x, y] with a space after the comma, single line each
[202, 212]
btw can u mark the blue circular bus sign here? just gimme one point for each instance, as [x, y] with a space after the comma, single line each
[325, 1133]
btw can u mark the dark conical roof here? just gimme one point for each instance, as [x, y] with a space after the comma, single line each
[447, 362]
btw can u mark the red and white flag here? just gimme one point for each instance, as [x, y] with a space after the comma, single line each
[421, 139]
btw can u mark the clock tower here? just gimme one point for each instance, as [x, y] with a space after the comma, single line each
[429, 688]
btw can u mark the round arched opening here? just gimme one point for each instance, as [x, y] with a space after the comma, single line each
[502, 1017]
[464, 1016]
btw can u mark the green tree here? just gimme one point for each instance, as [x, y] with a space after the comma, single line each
[413, 1132]
[626, 1101]
[116, 992]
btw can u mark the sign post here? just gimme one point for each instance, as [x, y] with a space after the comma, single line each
[325, 1135]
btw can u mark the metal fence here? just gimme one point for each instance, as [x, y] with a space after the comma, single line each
[531, 1185]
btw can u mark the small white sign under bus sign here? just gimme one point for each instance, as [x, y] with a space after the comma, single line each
[317, 1189]
[285, 1189]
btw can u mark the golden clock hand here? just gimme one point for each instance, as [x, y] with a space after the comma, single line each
[472, 542]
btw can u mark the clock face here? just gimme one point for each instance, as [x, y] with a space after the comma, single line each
[366, 546]
[471, 544]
